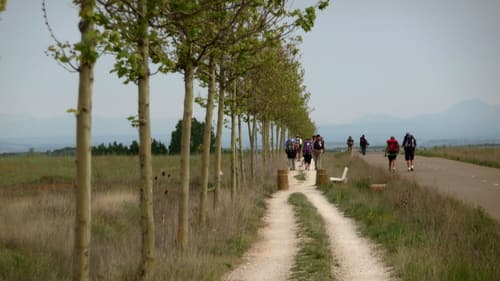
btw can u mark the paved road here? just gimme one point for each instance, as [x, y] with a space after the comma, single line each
[470, 183]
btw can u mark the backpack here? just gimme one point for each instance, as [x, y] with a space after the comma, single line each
[308, 148]
[410, 142]
[393, 146]
[318, 144]
[289, 146]
[296, 145]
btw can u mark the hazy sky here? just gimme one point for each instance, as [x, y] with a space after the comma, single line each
[395, 57]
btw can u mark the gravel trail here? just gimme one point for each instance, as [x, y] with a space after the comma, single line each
[356, 257]
[272, 256]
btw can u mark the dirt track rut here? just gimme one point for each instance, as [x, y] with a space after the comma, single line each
[271, 257]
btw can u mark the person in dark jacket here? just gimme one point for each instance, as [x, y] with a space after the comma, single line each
[350, 144]
[291, 153]
[409, 144]
[363, 143]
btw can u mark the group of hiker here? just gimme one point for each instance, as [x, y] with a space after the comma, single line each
[363, 143]
[310, 149]
[391, 150]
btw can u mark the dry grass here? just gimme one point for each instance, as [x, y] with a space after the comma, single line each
[38, 212]
[426, 236]
[481, 155]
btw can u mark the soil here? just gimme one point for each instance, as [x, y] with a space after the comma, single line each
[475, 185]
[271, 258]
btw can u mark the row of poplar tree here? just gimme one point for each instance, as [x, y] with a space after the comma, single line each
[243, 51]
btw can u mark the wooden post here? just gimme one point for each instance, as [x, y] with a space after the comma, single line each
[282, 179]
[321, 177]
[377, 186]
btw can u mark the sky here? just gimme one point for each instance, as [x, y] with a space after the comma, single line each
[391, 57]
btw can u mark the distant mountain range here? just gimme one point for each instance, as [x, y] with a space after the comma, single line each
[468, 122]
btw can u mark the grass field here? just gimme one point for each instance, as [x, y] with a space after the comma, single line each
[480, 155]
[37, 219]
[425, 235]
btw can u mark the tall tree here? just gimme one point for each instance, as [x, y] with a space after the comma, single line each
[81, 57]
[197, 131]
[207, 141]
[83, 220]
[194, 34]
[130, 39]
[146, 184]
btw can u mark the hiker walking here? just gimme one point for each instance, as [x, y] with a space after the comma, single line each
[363, 143]
[298, 147]
[350, 144]
[409, 145]
[291, 153]
[391, 152]
[307, 151]
[318, 150]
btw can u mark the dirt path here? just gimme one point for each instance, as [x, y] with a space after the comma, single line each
[271, 258]
[356, 257]
[473, 184]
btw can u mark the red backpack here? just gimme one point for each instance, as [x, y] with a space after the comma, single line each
[392, 145]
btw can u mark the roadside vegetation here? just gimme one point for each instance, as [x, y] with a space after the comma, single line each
[426, 236]
[314, 259]
[480, 155]
[37, 219]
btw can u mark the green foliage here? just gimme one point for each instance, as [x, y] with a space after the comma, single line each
[134, 121]
[314, 260]
[196, 137]
[123, 31]
[157, 148]
[73, 55]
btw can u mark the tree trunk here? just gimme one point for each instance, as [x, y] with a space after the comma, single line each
[206, 143]
[271, 144]
[146, 170]
[218, 137]
[264, 143]
[233, 144]
[240, 153]
[256, 146]
[252, 148]
[282, 139]
[83, 219]
[182, 234]
[278, 139]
